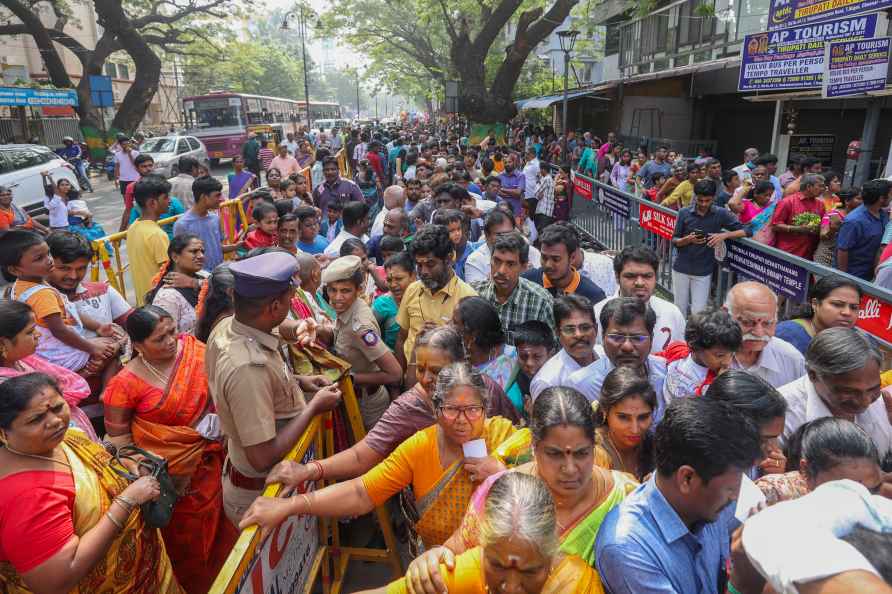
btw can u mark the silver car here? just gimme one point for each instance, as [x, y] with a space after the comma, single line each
[167, 150]
[20, 167]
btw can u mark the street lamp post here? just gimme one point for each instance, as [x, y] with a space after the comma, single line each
[567, 40]
[302, 27]
[357, 93]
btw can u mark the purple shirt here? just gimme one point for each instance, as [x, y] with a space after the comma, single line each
[410, 413]
[342, 189]
[511, 181]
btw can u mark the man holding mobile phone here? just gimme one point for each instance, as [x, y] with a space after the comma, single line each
[698, 229]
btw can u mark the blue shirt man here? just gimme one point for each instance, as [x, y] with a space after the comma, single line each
[673, 533]
[512, 180]
[862, 230]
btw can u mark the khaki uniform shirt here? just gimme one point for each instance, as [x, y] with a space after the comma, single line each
[252, 386]
[357, 339]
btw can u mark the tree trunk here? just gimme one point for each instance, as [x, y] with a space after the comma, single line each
[148, 66]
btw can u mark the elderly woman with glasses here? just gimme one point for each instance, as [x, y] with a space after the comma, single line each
[431, 462]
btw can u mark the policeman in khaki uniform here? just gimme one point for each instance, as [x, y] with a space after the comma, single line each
[357, 338]
[259, 400]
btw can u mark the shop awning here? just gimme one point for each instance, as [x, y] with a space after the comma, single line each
[549, 100]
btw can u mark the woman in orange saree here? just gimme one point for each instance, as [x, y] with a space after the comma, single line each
[160, 402]
[68, 522]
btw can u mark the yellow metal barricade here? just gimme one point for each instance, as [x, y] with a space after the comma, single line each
[293, 556]
[114, 266]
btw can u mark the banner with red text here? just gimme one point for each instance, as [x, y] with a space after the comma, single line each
[581, 185]
[656, 221]
[876, 317]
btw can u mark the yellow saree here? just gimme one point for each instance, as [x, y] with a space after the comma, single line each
[136, 562]
[441, 494]
[571, 575]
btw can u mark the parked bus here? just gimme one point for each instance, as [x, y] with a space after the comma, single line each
[222, 120]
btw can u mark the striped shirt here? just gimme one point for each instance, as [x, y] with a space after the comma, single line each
[545, 194]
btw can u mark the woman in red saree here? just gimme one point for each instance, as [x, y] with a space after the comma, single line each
[160, 402]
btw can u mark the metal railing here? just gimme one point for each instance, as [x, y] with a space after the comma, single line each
[674, 36]
[113, 261]
[614, 219]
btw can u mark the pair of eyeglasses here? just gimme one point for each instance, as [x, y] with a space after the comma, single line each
[622, 338]
[581, 329]
[472, 413]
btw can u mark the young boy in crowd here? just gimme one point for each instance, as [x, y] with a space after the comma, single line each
[146, 240]
[144, 165]
[535, 345]
[26, 260]
[266, 221]
[712, 338]
[400, 273]
[308, 238]
[332, 224]
[203, 220]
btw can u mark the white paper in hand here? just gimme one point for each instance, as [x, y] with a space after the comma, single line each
[749, 497]
[475, 448]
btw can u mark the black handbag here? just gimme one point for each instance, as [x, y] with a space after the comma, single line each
[157, 513]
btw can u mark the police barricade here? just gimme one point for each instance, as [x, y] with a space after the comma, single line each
[304, 548]
[107, 251]
[614, 219]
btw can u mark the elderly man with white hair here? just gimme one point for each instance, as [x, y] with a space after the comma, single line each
[394, 197]
[843, 381]
[754, 306]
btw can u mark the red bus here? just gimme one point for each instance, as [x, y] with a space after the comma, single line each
[222, 120]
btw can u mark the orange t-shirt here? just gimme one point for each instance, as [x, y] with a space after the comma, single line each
[45, 302]
[7, 217]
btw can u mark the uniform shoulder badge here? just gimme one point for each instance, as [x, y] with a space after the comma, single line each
[370, 337]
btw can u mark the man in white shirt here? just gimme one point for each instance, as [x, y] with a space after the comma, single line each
[575, 323]
[629, 331]
[843, 380]
[356, 222]
[478, 264]
[754, 307]
[531, 173]
[181, 183]
[394, 197]
[291, 144]
[745, 169]
[636, 274]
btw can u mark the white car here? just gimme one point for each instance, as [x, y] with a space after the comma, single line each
[167, 150]
[20, 167]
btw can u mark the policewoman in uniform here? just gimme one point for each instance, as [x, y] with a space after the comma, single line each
[259, 400]
[357, 338]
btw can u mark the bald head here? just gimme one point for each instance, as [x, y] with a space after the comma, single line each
[396, 222]
[749, 294]
[308, 266]
[394, 197]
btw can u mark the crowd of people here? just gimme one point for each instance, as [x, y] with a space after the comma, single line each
[546, 422]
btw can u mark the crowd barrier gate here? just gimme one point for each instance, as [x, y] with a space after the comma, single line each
[304, 548]
[114, 267]
[613, 219]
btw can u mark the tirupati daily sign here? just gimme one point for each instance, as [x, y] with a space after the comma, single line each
[790, 13]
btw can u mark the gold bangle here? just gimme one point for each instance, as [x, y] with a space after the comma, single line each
[127, 500]
[124, 504]
[112, 519]
[306, 499]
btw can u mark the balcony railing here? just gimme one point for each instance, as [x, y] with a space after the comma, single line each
[680, 34]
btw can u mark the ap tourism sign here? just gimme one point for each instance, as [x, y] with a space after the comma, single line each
[794, 58]
[855, 67]
[791, 13]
